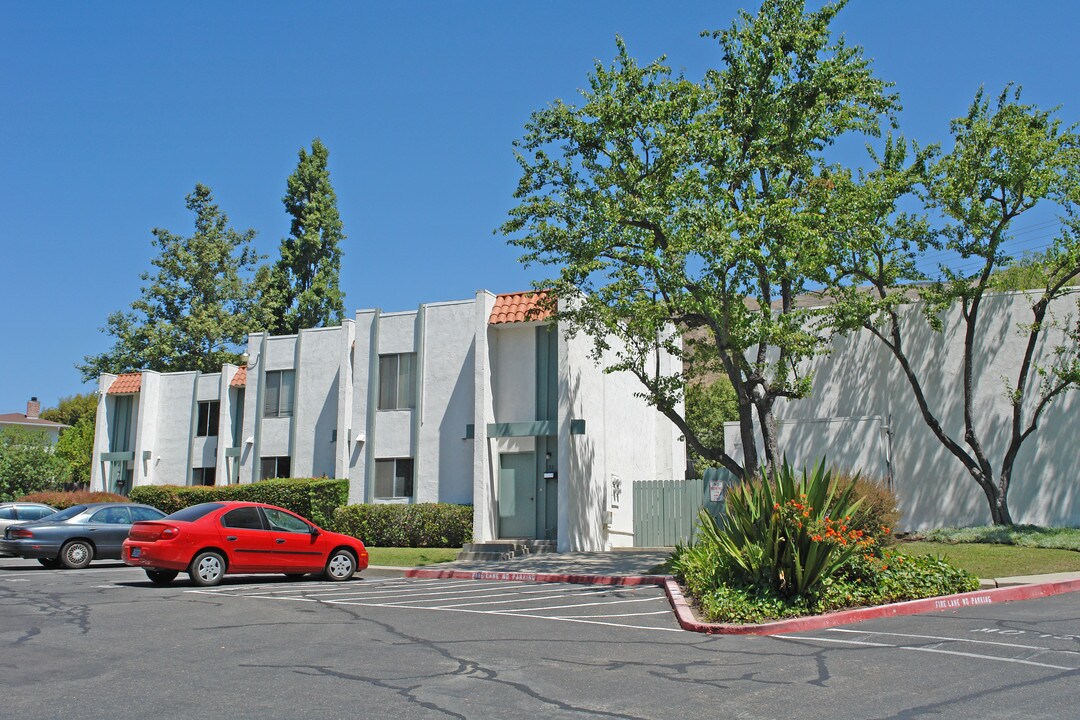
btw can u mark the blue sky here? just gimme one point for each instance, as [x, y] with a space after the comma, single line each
[111, 112]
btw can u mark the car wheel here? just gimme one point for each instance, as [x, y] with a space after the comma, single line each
[294, 576]
[76, 554]
[207, 569]
[51, 563]
[161, 577]
[340, 566]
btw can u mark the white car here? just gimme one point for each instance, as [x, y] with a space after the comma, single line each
[19, 512]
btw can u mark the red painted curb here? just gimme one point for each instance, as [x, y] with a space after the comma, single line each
[843, 617]
[537, 577]
[687, 621]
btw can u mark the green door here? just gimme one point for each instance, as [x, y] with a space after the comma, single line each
[517, 495]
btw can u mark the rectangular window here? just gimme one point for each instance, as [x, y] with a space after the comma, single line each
[203, 476]
[275, 467]
[394, 478]
[397, 381]
[280, 388]
[207, 425]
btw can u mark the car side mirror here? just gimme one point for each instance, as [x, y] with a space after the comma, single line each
[315, 531]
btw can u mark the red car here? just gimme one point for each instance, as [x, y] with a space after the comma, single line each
[212, 539]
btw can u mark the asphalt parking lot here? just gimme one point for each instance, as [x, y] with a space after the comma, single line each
[105, 643]
[639, 607]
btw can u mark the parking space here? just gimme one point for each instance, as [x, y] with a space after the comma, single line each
[1036, 633]
[637, 607]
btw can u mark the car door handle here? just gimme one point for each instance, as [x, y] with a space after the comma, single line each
[231, 538]
[279, 541]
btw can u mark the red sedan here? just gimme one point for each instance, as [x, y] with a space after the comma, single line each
[212, 539]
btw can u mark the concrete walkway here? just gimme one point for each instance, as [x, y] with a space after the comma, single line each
[632, 562]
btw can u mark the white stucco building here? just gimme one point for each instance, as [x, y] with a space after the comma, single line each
[476, 401]
[862, 414]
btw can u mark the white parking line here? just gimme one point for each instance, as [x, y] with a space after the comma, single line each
[607, 602]
[953, 639]
[924, 649]
[518, 598]
[640, 614]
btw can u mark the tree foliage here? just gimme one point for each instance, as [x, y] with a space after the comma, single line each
[196, 309]
[73, 408]
[1007, 159]
[301, 289]
[76, 444]
[27, 463]
[667, 204]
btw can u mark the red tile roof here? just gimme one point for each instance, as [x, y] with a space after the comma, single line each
[125, 384]
[520, 307]
[239, 380]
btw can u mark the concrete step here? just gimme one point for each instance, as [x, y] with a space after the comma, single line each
[503, 546]
[465, 556]
[541, 546]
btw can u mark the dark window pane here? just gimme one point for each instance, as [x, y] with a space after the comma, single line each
[388, 382]
[7, 513]
[145, 513]
[247, 518]
[194, 512]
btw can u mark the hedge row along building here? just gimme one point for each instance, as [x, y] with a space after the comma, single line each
[482, 401]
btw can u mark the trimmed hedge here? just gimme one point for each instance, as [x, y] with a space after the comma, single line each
[314, 498]
[64, 500]
[415, 525]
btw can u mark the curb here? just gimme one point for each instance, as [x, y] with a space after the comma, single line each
[685, 616]
[843, 617]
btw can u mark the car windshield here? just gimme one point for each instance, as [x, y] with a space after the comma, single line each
[194, 512]
[68, 514]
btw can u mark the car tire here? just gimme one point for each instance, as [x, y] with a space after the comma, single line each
[76, 554]
[340, 566]
[51, 563]
[161, 577]
[207, 569]
[295, 576]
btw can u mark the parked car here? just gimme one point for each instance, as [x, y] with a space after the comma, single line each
[19, 512]
[212, 539]
[77, 535]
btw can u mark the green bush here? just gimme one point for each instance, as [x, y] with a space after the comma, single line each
[1022, 535]
[314, 498]
[788, 533]
[414, 525]
[63, 500]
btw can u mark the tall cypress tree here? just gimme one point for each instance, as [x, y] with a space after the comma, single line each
[302, 291]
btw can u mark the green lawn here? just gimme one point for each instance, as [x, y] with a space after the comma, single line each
[410, 557]
[995, 561]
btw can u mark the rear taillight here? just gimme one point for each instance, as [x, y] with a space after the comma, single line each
[150, 532]
[20, 533]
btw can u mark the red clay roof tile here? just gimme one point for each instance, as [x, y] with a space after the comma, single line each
[125, 384]
[519, 307]
[239, 380]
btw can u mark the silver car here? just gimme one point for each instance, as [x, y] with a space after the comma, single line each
[18, 512]
[74, 537]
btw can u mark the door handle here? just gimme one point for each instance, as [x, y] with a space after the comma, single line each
[231, 538]
[279, 541]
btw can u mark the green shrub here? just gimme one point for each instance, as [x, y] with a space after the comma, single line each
[788, 533]
[1022, 535]
[63, 500]
[414, 525]
[314, 498]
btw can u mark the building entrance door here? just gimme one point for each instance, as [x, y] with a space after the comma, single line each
[517, 495]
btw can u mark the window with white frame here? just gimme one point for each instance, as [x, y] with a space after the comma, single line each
[275, 467]
[207, 423]
[280, 390]
[394, 478]
[397, 381]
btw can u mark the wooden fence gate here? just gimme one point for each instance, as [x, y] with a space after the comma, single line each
[666, 511]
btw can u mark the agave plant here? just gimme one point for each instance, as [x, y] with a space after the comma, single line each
[789, 533]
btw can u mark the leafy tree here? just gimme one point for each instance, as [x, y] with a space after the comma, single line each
[27, 463]
[668, 205]
[73, 408]
[76, 444]
[708, 406]
[196, 310]
[1008, 159]
[302, 290]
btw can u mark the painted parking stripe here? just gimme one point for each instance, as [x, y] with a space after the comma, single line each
[606, 602]
[955, 639]
[936, 651]
[640, 614]
[518, 597]
[454, 590]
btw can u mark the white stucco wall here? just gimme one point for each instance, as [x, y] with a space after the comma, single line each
[444, 462]
[859, 378]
